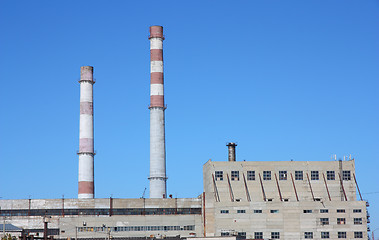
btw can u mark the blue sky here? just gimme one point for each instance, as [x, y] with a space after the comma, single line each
[285, 79]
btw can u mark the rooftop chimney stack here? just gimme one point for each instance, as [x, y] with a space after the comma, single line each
[157, 118]
[231, 151]
[86, 149]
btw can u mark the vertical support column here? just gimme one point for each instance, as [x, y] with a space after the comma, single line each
[158, 178]
[86, 150]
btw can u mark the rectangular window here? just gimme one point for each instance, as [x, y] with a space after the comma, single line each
[274, 211]
[266, 175]
[314, 175]
[242, 234]
[224, 211]
[307, 211]
[298, 175]
[324, 210]
[282, 175]
[341, 221]
[308, 235]
[341, 234]
[257, 211]
[324, 234]
[225, 234]
[219, 175]
[358, 235]
[330, 175]
[346, 175]
[340, 210]
[235, 176]
[357, 221]
[275, 235]
[250, 175]
[357, 210]
[324, 221]
[258, 235]
[241, 211]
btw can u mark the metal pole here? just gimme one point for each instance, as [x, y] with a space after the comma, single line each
[45, 229]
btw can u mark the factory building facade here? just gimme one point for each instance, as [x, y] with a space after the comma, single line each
[252, 200]
[283, 200]
[240, 199]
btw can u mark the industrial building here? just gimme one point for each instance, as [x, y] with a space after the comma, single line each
[249, 200]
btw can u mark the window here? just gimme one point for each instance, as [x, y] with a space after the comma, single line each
[341, 221]
[307, 211]
[235, 176]
[308, 235]
[242, 234]
[330, 175]
[258, 235]
[257, 211]
[358, 235]
[324, 210]
[324, 221]
[314, 175]
[189, 228]
[219, 175]
[341, 234]
[274, 211]
[225, 233]
[324, 234]
[266, 175]
[298, 175]
[224, 211]
[275, 235]
[241, 211]
[340, 210]
[357, 221]
[282, 175]
[357, 210]
[269, 199]
[250, 175]
[346, 175]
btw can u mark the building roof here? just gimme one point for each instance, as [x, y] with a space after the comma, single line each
[10, 228]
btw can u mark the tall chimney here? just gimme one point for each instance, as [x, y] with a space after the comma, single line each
[231, 151]
[86, 149]
[157, 118]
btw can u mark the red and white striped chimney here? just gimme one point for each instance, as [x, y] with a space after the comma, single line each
[86, 149]
[157, 118]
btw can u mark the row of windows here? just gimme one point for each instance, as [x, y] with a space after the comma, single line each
[327, 210]
[257, 235]
[99, 211]
[225, 211]
[299, 175]
[137, 228]
[340, 221]
[308, 235]
[325, 235]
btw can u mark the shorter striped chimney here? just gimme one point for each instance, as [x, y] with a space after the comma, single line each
[86, 150]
